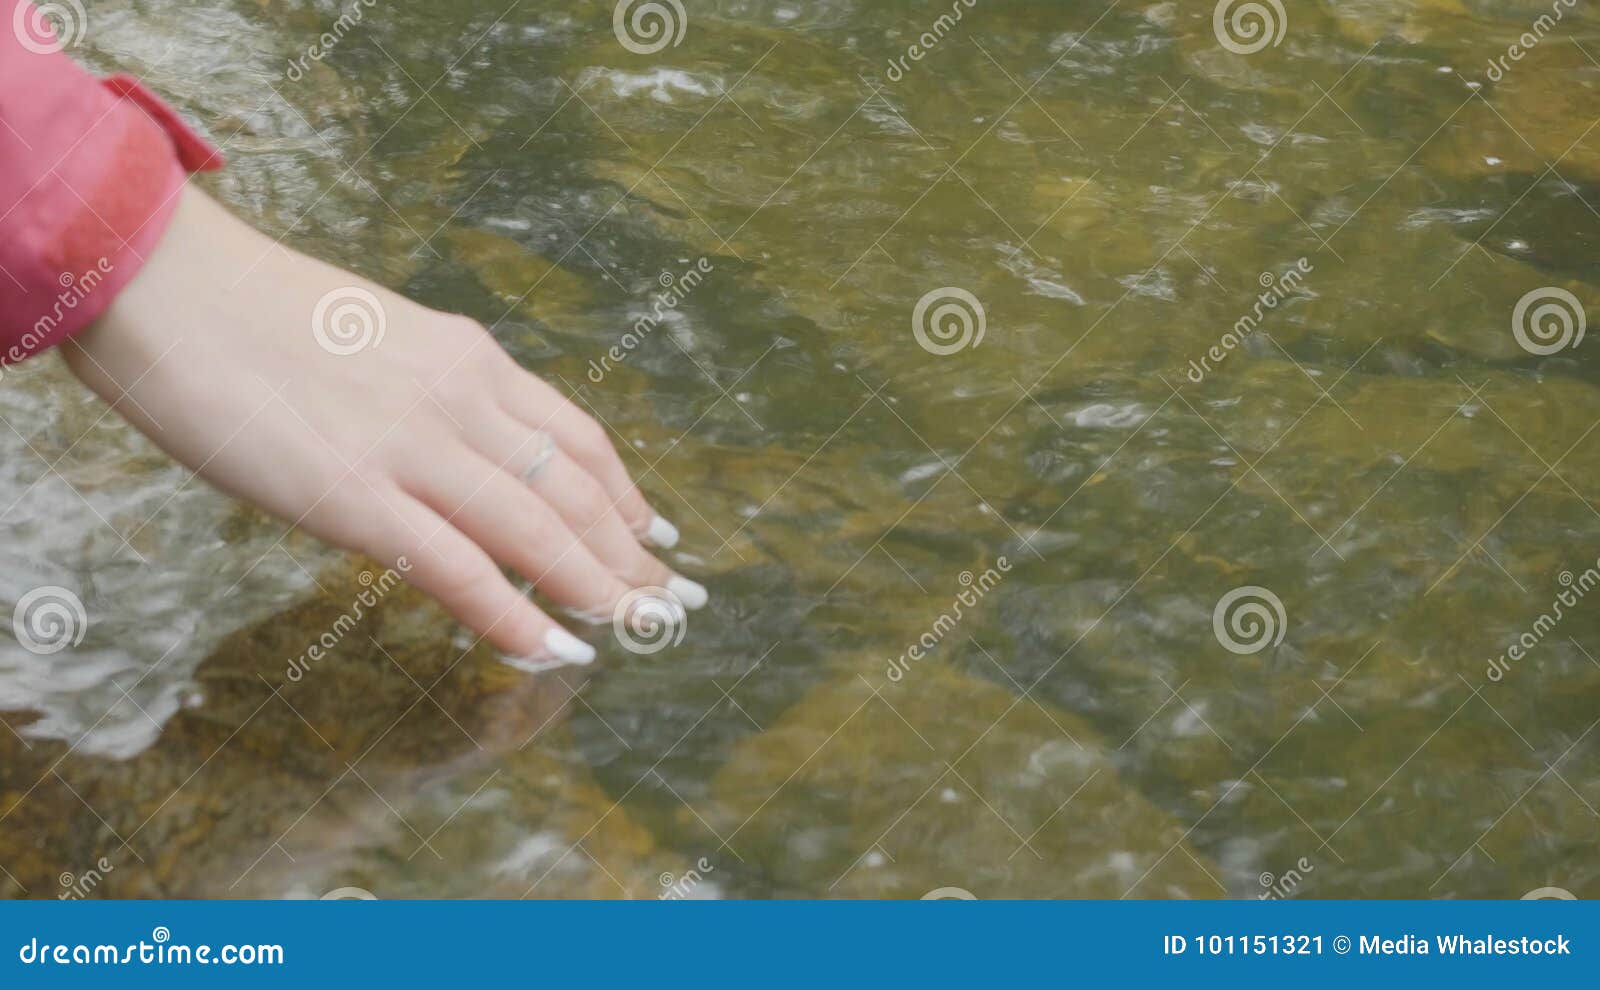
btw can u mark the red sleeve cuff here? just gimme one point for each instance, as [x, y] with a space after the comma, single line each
[195, 153]
[94, 194]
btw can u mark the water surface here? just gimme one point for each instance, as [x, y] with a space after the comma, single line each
[1409, 488]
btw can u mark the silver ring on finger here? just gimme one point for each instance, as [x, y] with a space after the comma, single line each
[544, 451]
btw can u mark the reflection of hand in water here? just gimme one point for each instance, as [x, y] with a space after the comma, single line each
[376, 424]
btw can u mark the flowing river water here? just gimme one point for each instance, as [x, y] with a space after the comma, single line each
[1123, 464]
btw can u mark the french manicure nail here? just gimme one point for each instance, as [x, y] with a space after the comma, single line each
[692, 595]
[565, 646]
[662, 533]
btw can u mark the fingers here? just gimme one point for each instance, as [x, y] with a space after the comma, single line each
[586, 506]
[515, 527]
[442, 562]
[540, 407]
[581, 501]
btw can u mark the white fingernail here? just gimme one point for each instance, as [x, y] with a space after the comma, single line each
[565, 646]
[591, 618]
[662, 533]
[691, 594]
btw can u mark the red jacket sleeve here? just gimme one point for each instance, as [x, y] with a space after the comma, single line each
[90, 171]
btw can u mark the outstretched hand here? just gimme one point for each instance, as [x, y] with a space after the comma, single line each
[433, 446]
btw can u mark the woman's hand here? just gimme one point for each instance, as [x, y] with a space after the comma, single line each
[263, 370]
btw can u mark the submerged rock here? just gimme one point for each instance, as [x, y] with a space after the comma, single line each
[345, 742]
[893, 789]
[518, 277]
[1537, 220]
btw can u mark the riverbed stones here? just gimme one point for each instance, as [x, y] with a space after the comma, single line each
[887, 788]
[521, 279]
[344, 742]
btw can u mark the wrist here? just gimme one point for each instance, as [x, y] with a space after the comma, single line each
[169, 290]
